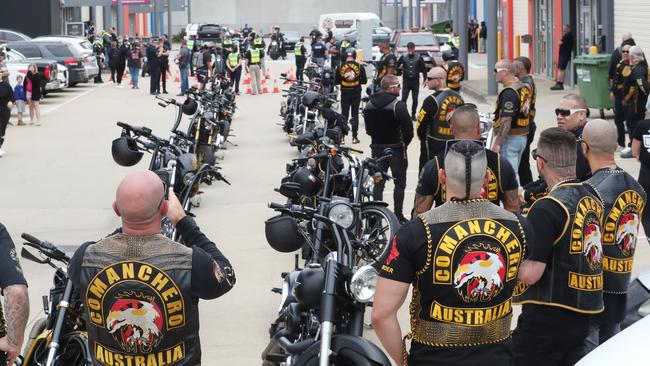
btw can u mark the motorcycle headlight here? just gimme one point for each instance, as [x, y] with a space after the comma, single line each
[342, 214]
[363, 284]
[187, 178]
[369, 182]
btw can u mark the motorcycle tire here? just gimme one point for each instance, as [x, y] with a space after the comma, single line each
[75, 352]
[206, 154]
[379, 224]
[345, 357]
[38, 328]
[274, 56]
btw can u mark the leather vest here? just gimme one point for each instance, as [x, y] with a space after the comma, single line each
[447, 101]
[350, 73]
[521, 120]
[455, 74]
[462, 296]
[493, 192]
[573, 278]
[376, 121]
[624, 201]
[137, 294]
[411, 66]
[623, 71]
[528, 80]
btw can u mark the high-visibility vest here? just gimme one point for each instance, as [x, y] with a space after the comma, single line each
[298, 49]
[258, 41]
[227, 42]
[255, 56]
[233, 59]
[345, 44]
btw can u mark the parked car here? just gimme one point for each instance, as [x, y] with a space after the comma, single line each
[443, 41]
[7, 35]
[59, 51]
[80, 44]
[426, 44]
[191, 30]
[341, 23]
[209, 33]
[17, 63]
[290, 39]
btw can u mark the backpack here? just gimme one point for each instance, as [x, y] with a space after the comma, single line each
[197, 60]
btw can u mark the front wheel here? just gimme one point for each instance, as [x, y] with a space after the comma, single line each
[206, 154]
[376, 226]
[345, 357]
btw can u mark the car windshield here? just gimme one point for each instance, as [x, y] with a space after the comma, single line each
[292, 34]
[210, 28]
[423, 39]
[86, 45]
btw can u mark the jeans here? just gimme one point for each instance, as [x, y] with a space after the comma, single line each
[300, 66]
[135, 75]
[512, 148]
[154, 81]
[185, 83]
[412, 86]
[599, 334]
[398, 165]
[351, 102]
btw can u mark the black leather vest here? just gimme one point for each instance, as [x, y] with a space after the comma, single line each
[573, 278]
[493, 192]
[447, 100]
[411, 66]
[455, 74]
[140, 311]
[521, 121]
[462, 296]
[624, 200]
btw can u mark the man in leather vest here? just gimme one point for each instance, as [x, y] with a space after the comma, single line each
[621, 72]
[387, 64]
[624, 203]
[522, 71]
[455, 70]
[502, 186]
[511, 114]
[351, 75]
[635, 93]
[462, 259]
[389, 125]
[139, 288]
[562, 277]
[412, 65]
[433, 118]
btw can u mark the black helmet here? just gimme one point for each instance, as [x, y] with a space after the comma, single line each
[310, 99]
[190, 106]
[351, 52]
[125, 151]
[310, 184]
[282, 234]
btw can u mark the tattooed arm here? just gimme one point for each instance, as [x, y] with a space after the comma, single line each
[511, 200]
[421, 204]
[16, 308]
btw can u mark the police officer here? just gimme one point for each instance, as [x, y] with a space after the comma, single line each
[143, 288]
[562, 276]
[154, 54]
[432, 123]
[624, 203]
[622, 72]
[502, 186]
[412, 65]
[455, 70]
[16, 299]
[318, 52]
[98, 50]
[522, 72]
[351, 75]
[511, 114]
[635, 92]
[462, 259]
[344, 45]
[254, 57]
[300, 52]
[387, 64]
[165, 49]
[234, 68]
[389, 125]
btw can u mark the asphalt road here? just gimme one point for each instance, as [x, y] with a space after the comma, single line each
[58, 183]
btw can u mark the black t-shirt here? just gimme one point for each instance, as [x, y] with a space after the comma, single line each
[11, 273]
[387, 61]
[548, 219]
[152, 57]
[567, 45]
[508, 103]
[642, 134]
[6, 95]
[426, 115]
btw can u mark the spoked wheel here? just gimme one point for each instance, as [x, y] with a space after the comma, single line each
[376, 226]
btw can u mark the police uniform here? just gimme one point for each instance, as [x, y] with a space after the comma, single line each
[255, 57]
[318, 53]
[455, 74]
[624, 203]
[234, 62]
[10, 271]
[514, 102]
[554, 321]
[621, 72]
[351, 75]
[141, 295]
[432, 124]
[462, 259]
[635, 96]
[412, 66]
[502, 179]
[300, 52]
[98, 50]
[525, 174]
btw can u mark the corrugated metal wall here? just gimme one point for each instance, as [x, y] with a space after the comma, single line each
[632, 16]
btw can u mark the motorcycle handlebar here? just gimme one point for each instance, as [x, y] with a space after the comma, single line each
[45, 247]
[163, 104]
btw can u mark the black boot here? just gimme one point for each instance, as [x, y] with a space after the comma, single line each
[558, 86]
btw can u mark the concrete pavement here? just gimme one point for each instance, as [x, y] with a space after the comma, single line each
[58, 183]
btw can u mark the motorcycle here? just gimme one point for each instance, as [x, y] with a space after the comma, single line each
[320, 318]
[61, 338]
[274, 50]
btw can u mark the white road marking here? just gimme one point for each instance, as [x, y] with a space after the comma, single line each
[56, 107]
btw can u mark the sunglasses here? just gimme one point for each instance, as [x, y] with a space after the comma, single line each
[568, 112]
[450, 143]
[395, 86]
[535, 156]
[438, 78]
[625, 51]
[496, 70]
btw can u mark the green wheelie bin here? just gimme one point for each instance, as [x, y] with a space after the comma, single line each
[593, 81]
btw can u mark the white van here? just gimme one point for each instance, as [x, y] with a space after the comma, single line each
[341, 23]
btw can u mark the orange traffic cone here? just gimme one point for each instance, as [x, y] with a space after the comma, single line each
[276, 87]
[265, 88]
[249, 90]
[177, 78]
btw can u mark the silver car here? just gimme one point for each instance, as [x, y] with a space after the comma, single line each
[83, 46]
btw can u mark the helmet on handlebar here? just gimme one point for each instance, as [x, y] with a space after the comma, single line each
[309, 183]
[310, 99]
[448, 56]
[282, 234]
[125, 151]
[189, 106]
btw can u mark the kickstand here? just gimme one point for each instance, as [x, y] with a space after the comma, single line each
[231, 143]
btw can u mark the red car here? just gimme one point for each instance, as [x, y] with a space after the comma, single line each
[426, 44]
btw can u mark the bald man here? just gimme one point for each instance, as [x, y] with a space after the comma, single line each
[511, 117]
[140, 288]
[502, 186]
[624, 202]
[432, 121]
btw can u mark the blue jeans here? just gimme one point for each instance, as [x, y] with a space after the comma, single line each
[135, 75]
[512, 148]
[185, 84]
